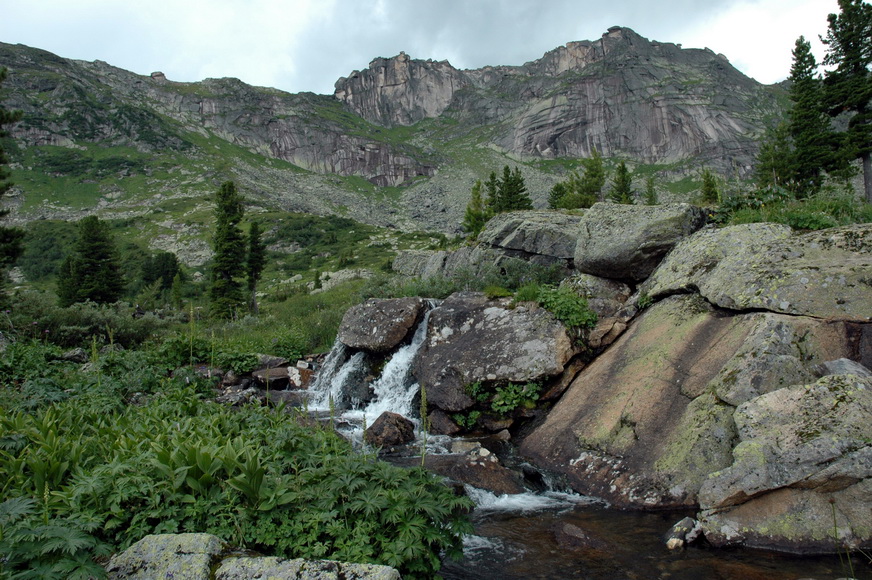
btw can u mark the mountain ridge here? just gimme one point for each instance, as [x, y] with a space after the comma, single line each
[398, 144]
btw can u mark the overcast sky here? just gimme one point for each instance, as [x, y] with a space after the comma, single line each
[306, 45]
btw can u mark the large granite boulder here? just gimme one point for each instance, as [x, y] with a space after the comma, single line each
[379, 325]
[389, 430]
[198, 556]
[766, 267]
[471, 338]
[420, 263]
[802, 470]
[546, 236]
[647, 421]
[626, 242]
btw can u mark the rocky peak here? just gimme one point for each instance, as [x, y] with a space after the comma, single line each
[400, 90]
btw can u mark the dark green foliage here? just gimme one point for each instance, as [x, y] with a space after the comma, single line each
[709, 193]
[848, 83]
[777, 204]
[255, 262]
[476, 213]
[650, 197]
[46, 244]
[162, 268]
[92, 271]
[83, 482]
[508, 193]
[580, 191]
[225, 291]
[622, 185]
[568, 307]
[774, 164]
[808, 126]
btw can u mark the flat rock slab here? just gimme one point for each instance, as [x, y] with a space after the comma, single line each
[546, 233]
[826, 274]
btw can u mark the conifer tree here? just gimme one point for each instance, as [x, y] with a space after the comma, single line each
[558, 193]
[476, 213]
[650, 193]
[255, 261]
[10, 238]
[622, 185]
[93, 271]
[848, 86]
[709, 192]
[514, 191]
[774, 163]
[225, 292]
[594, 178]
[808, 126]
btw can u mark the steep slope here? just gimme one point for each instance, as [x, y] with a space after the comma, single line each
[399, 144]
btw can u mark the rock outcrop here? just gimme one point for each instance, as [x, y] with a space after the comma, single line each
[380, 325]
[765, 266]
[206, 557]
[801, 471]
[627, 242]
[471, 338]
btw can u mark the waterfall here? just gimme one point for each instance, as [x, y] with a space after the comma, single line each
[394, 390]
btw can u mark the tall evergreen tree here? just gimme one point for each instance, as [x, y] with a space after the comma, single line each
[709, 193]
[774, 163]
[650, 193]
[848, 86]
[809, 127]
[10, 238]
[93, 271]
[476, 213]
[225, 292]
[622, 185]
[255, 262]
[594, 178]
[508, 193]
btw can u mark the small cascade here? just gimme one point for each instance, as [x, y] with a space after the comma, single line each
[394, 390]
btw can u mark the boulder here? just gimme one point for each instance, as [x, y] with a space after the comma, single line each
[272, 378]
[244, 568]
[627, 242]
[419, 263]
[766, 267]
[548, 234]
[379, 325]
[647, 421]
[802, 470]
[471, 338]
[189, 556]
[196, 556]
[843, 366]
[390, 430]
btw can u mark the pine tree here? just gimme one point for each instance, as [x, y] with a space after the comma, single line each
[10, 238]
[255, 261]
[93, 271]
[848, 86]
[508, 193]
[594, 178]
[622, 185]
[650, 193]
[774, 163]
[225, 292]
[476, 213]
[558, 192]
[808, 126]
[709, 193]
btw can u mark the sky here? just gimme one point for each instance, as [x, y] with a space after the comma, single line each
[307, 45]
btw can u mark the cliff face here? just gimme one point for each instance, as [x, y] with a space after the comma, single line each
[623, 95]
[423, 125]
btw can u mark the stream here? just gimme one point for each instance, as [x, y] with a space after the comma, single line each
[531, 535]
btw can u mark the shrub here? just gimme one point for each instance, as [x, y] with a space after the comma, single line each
[567, 307]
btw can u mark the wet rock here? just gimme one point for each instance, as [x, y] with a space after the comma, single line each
[272, 378]
[682, 533]
[299, 569]
[480, 471]
[471, 338]
[572, 537]
[390, 430]
[440, 423]
[627, 242]
[380, 325]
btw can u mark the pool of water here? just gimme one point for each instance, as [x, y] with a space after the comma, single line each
[526, 543]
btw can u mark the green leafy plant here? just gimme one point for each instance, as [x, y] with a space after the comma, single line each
[569, 308]
[514, 395]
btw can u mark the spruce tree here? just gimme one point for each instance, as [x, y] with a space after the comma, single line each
[774, 163]
[476, 213]
[225, 292]
[709, 192]
[808, 125]
[593, 180]
[848, 86]
[622, 185]
[514, 195]
[255, 261]
[650, 193]
[10, 238]
[93, 271]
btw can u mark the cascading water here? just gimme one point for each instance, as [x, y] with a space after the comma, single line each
[394, 390]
